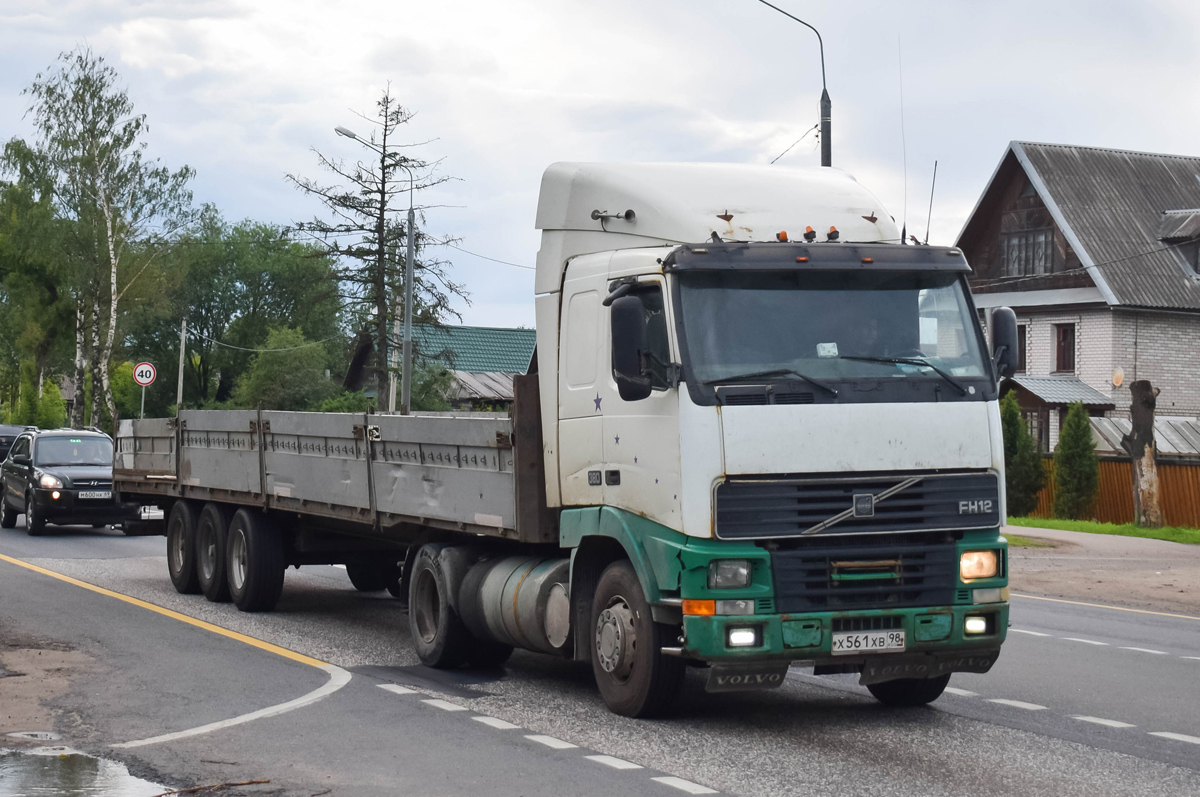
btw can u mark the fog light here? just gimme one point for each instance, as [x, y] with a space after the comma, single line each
[729, 573]
[735, 607]
[742, 637]
[978, 564]
[993, 595]
[54, 495]
[975, 625]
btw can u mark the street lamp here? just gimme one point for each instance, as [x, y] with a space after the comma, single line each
[410, 235]
[826, 105]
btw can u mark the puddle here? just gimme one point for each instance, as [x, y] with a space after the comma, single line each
[63, 772]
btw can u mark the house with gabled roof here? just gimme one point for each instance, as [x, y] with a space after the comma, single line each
[483, 360]
[1098, 253]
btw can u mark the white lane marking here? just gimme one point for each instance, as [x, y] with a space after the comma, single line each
[444, 705]
[1192, 658]
[498, 724]
[1102, 721]
[615, 763]
[1179, 737]
[1147, 650]
[398, 690]
[337, 679]
[1084, 641]
[1023, 631]
[961, 692]
[550, 741]
[1017, 704]
[684, 785]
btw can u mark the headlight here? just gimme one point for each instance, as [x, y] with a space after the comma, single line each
[729, 573]
[978, 564]
[50, 482]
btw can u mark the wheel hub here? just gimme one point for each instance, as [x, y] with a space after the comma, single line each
[616, 639]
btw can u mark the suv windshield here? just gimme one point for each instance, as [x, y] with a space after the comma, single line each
[51, 451]
[828, 325]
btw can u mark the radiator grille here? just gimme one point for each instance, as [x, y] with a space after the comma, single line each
[773, 507]
[891, 572]
[866, 623]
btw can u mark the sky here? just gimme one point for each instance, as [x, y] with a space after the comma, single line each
[244, 91]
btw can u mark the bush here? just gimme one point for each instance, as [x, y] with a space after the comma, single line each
[1024, 472]
[52, 410]
[27, 405]
[288, 375]
[1076, 468]
[347, 402]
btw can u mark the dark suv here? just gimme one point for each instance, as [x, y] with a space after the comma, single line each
[61, 476]
[9, 433]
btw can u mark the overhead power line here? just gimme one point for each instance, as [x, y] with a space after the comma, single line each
[485, 257]
[194, 333]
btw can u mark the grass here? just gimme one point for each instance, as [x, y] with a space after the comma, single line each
[1168, 533]
[1017, 541]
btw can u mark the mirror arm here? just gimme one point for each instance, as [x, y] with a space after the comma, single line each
[997, 355]
[672, 369]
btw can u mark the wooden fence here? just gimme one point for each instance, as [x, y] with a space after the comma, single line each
[1179, 487]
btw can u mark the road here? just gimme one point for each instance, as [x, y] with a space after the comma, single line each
[1097, 701]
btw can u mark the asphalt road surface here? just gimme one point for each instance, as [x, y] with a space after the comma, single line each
[1085, 700]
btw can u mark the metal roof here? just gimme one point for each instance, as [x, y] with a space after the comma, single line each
[476, 349]
[1179, 225]
[1172, 436]
[1110, 204]
[1061, 390]
[490, 385]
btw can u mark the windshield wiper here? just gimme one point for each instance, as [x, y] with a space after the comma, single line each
[911, 361]
[774, 372]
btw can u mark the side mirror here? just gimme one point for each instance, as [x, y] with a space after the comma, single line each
[22, 459]
[628, 341]
[1004, 342]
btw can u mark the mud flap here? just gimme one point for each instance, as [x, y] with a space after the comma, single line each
[878, 669]
[745, 677]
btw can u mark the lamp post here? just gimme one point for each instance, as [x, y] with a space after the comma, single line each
[826, 104]
[410, 236]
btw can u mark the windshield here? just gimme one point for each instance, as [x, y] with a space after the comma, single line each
[53, 451]
[828, 325]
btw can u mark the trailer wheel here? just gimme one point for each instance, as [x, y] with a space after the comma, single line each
[181, 549]
[254, 562]
[212, 533]
[8, 515]
[634, 677]
[909, 691]
[438, 635]
[367, 577]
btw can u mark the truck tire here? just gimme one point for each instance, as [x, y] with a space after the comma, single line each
[254, 562]
[212, 534]
[438, 635]
[181, 549]
[8, 515]
[909, 691]
[35, 524]
[367, 577]
[634, 677]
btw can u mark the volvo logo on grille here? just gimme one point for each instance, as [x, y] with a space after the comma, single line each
[974, 507]
[864, 505]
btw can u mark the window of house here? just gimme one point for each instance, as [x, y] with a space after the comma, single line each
[1191, 256]
[1028, 252]
[1021, 328]
[1064, 347]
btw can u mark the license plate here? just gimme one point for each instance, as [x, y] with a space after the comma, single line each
[868, 642]
[95, 493]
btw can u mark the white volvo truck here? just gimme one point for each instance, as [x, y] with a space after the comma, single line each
[743, 444]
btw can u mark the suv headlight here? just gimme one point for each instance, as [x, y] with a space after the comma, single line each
[729, 573]
[50, 482]
[978, 564]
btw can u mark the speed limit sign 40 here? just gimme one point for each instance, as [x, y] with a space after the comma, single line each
[144, 373]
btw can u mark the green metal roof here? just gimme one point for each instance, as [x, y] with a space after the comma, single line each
[476, 349]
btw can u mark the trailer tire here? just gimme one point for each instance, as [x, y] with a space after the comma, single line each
[181, 549]
[212, 536]
[438, 635]
[634, 676]
[254, 562]
[909, 691]
[8, 515]
[367, 577]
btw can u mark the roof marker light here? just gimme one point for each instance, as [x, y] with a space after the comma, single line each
[810, 234]
[833, 234]
[781, 236]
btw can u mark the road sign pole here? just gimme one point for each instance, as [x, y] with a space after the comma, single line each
[143, 415]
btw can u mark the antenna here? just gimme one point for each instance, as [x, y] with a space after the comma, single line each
[929, 218]
[903, 143]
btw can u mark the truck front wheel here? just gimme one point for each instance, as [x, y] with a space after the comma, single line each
[255, 563]
[438, 635]
[181, 548]
[909, 691]
[634, 677]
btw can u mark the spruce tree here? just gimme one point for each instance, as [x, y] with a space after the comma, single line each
[27, 407]
[1024, 473]
[1076, 468]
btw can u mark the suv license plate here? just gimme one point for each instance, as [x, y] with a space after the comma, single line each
[95, 493]
[868, 642]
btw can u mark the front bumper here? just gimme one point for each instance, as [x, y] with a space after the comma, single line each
[70, 508]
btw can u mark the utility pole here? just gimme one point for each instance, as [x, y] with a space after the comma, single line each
[182, 346]
[411, 235]
[826, 103]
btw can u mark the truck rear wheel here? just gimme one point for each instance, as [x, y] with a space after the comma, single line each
[438, 635]
[909, 691]
[181, 549]
[254, 562]
[212, 533]
[634, 677]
